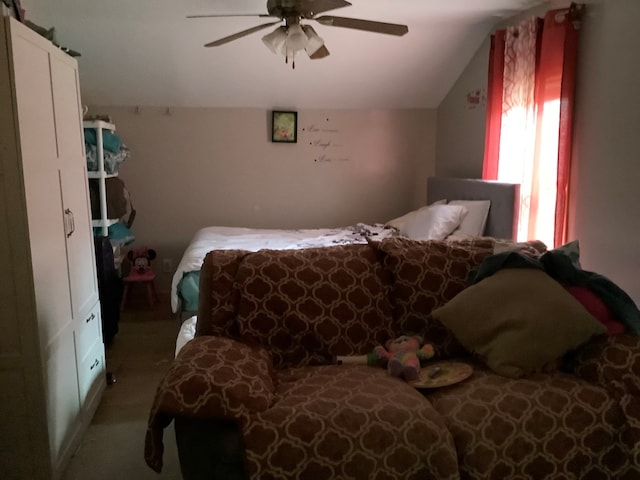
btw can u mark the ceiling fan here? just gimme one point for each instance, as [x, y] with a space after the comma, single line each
[293, 36]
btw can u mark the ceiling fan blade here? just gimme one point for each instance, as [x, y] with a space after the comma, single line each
[215, 15]
[241, 34]
[366, 25]
[320, 53]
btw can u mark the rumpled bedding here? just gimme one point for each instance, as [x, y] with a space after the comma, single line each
[252, 239]
[187, 333]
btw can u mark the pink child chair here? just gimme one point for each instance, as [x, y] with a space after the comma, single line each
[141, 273]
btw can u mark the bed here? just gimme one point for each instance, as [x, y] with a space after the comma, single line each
[500, 222]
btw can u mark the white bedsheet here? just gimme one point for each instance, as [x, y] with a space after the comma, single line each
[186, 333]
[230, 238]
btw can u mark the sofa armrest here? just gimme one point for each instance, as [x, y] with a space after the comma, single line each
[212, 377]
[612, 362]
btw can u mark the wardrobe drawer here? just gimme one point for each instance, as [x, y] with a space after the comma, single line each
[87, 331]
[91, 370]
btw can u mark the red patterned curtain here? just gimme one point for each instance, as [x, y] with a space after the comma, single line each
[494, 104]
[532, 69]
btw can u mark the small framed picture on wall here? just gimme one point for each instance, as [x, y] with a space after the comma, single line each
[284, 126]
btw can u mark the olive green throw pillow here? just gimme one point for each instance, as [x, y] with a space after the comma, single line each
[518, 320]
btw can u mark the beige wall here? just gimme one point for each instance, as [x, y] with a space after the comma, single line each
[460, 140]
[606, 165]
[606, 180]
[191, 168]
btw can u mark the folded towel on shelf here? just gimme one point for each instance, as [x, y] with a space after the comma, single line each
[110, 141]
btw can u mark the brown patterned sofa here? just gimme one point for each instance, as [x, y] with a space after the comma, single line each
[257, 393]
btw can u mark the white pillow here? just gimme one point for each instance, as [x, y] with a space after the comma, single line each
[475, 221]
[434, 222]
[399, 222]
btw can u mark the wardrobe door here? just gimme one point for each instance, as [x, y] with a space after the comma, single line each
[75, 197]
[83, 279]
[68, 116]
[46, 222]
[47, 228]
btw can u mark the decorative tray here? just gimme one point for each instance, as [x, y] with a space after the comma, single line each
[441, 374]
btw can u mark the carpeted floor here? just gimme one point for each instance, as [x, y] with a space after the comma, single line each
[139, 356]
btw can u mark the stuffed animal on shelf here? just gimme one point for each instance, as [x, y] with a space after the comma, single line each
[140, 259]
[403, 355]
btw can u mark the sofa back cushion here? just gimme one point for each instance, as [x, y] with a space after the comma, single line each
[425, 276]
[308, 306]
[218, 295]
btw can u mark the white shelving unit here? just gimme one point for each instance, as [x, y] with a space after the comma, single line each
[104, 221]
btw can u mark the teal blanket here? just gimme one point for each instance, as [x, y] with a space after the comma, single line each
[110, 141]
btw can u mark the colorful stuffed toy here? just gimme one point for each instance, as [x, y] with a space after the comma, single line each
[403, 355]
[140, 259]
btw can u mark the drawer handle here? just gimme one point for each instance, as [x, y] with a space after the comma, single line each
[69, 223]
[93, 315]
[94, 364]
[73, 223]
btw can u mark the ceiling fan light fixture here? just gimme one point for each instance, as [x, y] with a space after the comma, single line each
[275, 40]
[296, 38]
[314, 42]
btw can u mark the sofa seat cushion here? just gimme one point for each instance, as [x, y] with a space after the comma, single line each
[545, 426]
[308, 306]
[348, 421]
[425, 276]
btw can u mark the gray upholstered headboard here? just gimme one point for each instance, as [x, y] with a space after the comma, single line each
[503, 213]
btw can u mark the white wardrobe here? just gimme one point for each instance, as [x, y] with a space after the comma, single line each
[52, 371]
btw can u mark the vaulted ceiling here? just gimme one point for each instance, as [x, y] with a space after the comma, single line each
[147, 53]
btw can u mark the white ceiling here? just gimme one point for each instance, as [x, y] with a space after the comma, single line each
[147, 53]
